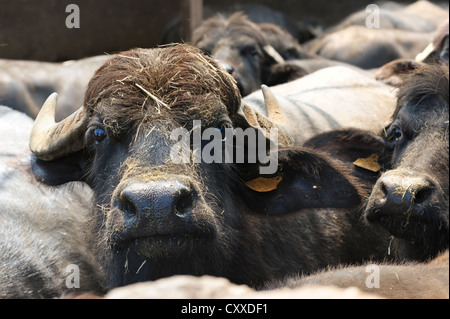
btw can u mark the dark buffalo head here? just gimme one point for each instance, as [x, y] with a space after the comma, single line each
[241, 46]
[156, 216]
[283, 42]
[411, 199]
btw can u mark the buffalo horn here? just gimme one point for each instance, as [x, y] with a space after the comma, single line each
[50, 140]
[274, 110]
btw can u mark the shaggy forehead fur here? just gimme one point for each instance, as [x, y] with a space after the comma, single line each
[176, 82]
[429, 83]
[219, 26]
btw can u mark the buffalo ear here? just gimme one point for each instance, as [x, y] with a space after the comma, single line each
[282, 73]
[304, 180]
[353, 146]
[60, 171]
[394, 72]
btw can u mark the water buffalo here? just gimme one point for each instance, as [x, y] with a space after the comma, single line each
[411, 199]
[283, 42]
[332, 98]
[24, 85]
[289, 49]
[156, 217]
[242, 48]
[408, 18]
[410, 280]
[427, 10]
[401, 34]
[369, 48]
[42, 254]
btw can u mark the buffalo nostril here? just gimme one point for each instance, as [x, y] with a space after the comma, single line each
[184, 203]
[422, 195]
[127, 203]
[384, 190]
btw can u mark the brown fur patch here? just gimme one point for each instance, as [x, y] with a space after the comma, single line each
[149, 84]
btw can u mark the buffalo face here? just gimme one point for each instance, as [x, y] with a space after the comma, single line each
[155, 216]
[240, 46]
[411, 199]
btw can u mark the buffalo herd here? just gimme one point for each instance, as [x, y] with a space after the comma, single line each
[242, 164]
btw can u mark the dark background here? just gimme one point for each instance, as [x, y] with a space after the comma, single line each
[36, 30]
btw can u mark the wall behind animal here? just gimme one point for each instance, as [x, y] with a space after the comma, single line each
[43, 30]
[36, 29]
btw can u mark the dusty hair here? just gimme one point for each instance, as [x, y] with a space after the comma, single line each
[147, 84]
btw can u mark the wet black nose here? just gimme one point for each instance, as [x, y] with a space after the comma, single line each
[404, 192]
[399, 193]
[163, 200]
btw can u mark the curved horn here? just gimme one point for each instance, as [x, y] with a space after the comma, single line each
[50, 140]
[274, 110]
[251, 117]
[270, 51]
[425, 53]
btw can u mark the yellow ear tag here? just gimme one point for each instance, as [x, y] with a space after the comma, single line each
[370, 163]
[264, 185]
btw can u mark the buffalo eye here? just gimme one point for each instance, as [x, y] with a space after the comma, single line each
[251, 50]
[222, 128]
[99, 134]
[394, 134]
